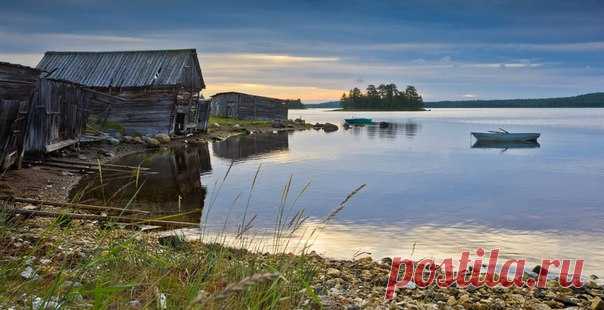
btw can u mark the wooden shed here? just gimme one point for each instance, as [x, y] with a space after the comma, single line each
[17, 84]
[156, 91]
[250, 107]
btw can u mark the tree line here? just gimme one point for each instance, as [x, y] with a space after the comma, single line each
[383, 97]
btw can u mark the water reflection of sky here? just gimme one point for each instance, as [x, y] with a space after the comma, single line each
[427, 184]
[423, 178]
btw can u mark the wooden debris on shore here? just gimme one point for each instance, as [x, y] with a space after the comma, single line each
[149, 223]
[116, 219]
[78, 206]
[90, 167]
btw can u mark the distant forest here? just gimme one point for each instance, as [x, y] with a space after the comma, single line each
[325, 105]
[383, 97]
[594, 100]
[295, 104]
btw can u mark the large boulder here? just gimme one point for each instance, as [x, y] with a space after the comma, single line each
[151, 141]
[163, 138]
[278, 124]
[112, 140]
[329, 127]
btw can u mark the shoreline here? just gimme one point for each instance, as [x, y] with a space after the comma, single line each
[63, 253]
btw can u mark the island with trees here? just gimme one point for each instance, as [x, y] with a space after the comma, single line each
[385, 97]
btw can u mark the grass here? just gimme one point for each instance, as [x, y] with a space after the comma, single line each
[97, 125]
[89, 265]
[119, 268]
[230, 122]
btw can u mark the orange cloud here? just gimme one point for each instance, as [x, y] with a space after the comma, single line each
[306, 93]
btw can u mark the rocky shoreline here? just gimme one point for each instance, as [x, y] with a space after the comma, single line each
[337, 284]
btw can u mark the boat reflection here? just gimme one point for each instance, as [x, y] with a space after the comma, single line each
[387, 129]
[175, 187]
[243, 147]
[506, 145]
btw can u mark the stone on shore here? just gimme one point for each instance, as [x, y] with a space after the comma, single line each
[112, 140]
[151, 141]
[277, 124]
[329, 127]
[332, 272]
[163, 138]
[597, 304]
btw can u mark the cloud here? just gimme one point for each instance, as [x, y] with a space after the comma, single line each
[447, 46]
[308, 94]
[283, 59]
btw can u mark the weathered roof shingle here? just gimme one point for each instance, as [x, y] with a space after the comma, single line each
[126, 69]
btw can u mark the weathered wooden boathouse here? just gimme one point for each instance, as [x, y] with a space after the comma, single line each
[40, 114]
[249, 107]
[156, 91]
[16, 87]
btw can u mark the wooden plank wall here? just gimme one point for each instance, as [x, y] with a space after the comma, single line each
[140, 112]
[203, 115]
[248, 107]
[225, 105]
[16, 87]
[149, 112]
[58, 115]
[11, 133]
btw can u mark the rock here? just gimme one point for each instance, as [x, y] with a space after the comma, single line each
[175, 240]
[277, 124]
[540, 307]
[40, 304]
[151, 141]
[29, 273]
[332, 272]
[329, 127]
[128, 139]
[567, 301]
[163, 138]
[135, 304]
[138, 140]
[45, 261]
[537, 269]
[366, 275]
[162, 301]
[216, 125]
[112, 140]
[597, 304]
[516, 299]
[236, 125]
[106, 153]
[31, 207]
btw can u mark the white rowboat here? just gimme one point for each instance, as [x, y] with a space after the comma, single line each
[505, 136]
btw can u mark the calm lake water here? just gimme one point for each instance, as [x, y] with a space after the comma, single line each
[425, 183]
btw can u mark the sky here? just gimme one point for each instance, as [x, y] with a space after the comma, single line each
[315, 50]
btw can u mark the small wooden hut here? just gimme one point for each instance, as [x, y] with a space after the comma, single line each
[155, 91]
[16, 87]
[250, 107]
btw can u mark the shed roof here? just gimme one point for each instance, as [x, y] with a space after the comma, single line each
[240, 93]
[125, 69]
